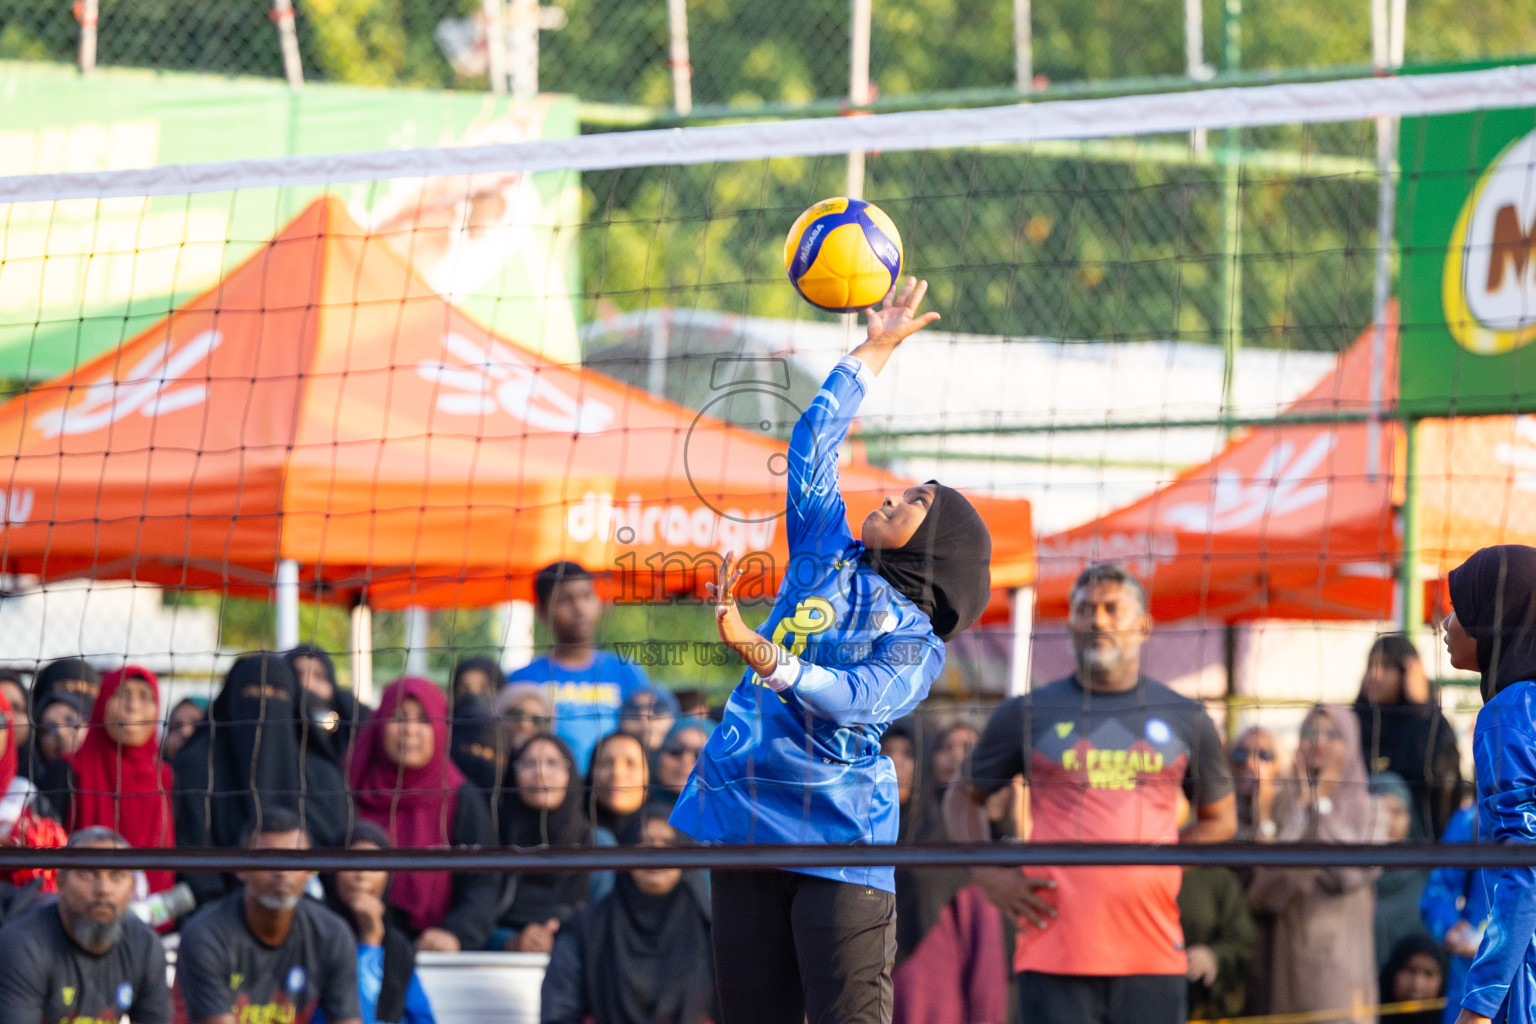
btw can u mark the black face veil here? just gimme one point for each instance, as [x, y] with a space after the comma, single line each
[945, 569]
[1494, 596]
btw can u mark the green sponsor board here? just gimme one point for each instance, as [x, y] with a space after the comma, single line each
[79, 277]
[1466, 227]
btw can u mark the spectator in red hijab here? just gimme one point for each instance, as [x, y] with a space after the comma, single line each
[117, 779]
[404, 781]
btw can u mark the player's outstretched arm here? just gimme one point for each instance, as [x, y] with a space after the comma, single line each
[894, 322]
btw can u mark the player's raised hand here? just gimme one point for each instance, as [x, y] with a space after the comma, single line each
[734, 631]
[896, 320]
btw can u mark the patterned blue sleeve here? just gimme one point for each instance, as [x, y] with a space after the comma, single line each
[1447, 887]
[887, 686]
[814, 508]
[1506, 811]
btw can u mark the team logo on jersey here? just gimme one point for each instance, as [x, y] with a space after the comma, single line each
[296, 979]
[234, 982]
[69, 995]
[125, 996]
[1158, 731]
[1063, 729]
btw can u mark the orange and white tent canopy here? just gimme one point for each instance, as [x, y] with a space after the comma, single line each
[323, 405]
[1299, 519]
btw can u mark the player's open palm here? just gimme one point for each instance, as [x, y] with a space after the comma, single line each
[897, 318]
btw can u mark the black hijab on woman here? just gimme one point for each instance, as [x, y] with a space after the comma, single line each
[336, 720]
[254, 754]
[921, 895]
[1494, 596]
[648, 957]
[945, 568]
[541, 897]
[1405, 950]
[399, 953]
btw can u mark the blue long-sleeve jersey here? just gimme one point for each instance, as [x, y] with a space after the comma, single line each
[1452, 895]
[804, 765]
[1501, 982]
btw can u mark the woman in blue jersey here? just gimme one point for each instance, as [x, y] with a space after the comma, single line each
[1492, 630]
[853, 642]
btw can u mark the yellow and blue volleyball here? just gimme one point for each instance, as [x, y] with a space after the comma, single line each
[843, 255]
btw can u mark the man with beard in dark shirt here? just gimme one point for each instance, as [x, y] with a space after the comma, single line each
[84, 959]
[265, 952]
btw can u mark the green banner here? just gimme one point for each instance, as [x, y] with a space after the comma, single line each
[79, 277]
[1466, 227]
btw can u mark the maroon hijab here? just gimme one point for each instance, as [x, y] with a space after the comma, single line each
[415, 806]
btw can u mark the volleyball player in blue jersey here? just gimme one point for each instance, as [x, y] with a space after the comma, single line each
[853, 642]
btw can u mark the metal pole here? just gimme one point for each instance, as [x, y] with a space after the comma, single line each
[287, 601]
[88, 17]
[416, 640]
[362, 652]
[1194, 58]
[1412, 602]
[517, 637]
[1232, 269]
[493, 12]
[682, 69]
[524, 55]
[282, 13]
[1023, 629]
[858, 84]
[1386, 55]
[1023, 46]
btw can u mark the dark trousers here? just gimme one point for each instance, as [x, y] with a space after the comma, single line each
[791, 948]
[1102, 999]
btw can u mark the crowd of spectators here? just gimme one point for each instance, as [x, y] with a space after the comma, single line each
[579, 749]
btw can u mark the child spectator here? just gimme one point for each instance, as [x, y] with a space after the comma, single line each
[587, 686]
[388, 989]
[180, 724]
[1414, 973]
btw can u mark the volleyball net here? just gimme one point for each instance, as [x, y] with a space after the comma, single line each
[1261, 345]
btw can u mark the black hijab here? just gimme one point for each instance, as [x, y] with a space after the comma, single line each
[254, 755]
[399, 954]
[57, 672]
[945, 568]
[648, 958]
[1494, 596]
[1406, 949]
[335, 720]
[922, 894]
[485, 666]
[472, 743]
[541, 897]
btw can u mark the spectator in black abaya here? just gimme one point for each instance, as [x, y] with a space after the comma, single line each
[75, 679]
[255, 753]
[641, 955]
[57, 736]
[1402, 730]
[1415, 972]
[474, 736]
[541, 806]
[334, 712]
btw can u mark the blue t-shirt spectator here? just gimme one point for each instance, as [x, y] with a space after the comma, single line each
[586, 700]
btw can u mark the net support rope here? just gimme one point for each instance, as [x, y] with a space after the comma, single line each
[1179, 112]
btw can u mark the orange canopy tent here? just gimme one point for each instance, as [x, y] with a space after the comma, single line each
[321, 407]
[1299, 519]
